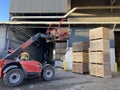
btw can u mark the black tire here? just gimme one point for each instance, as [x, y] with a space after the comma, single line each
[14, 77]
[48, 73]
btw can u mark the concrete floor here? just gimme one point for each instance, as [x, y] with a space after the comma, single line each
[66, 80]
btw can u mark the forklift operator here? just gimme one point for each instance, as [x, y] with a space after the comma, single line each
[24, 55]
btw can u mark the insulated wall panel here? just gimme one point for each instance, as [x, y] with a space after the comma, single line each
[2, 37]
[38, 6]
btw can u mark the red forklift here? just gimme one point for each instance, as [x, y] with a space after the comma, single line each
[13, 70]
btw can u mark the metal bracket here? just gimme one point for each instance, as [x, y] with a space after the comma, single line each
[112, 2]
[114, 27]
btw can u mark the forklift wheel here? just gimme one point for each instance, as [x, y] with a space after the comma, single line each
[13, 77]
[48, 73]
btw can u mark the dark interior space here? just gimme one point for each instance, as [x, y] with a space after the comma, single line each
[39, 50]
[117, 48]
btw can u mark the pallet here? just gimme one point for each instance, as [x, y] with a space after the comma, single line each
[76, 61]
[96, 50]
[80, 72]
[106, 77]
[100, 63]
[96, 39]
[80, 51]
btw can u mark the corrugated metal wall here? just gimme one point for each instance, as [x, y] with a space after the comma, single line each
[2, 37]
[38, 6]
[78, 34]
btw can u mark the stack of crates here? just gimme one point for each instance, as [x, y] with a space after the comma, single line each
[80, 57]
[60, 49]
[100, 52]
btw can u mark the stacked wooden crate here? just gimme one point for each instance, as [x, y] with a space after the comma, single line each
[61, 33]
[60, 49]
[80, 57]
[100, 52]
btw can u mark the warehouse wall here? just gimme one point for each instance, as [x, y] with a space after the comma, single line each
[2, 37]
[78, 34]
[38, 6]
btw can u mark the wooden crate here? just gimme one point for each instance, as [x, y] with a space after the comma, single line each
[60, 31]
[60, 50]
[99, 33]
[100, 45]
[80, 56]
[104, 71]
[80, 46]
[80, 68]
[59, 56]
[92, 57]
[99, 57]
[60, 44]
[93, 69]
[100, 70]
